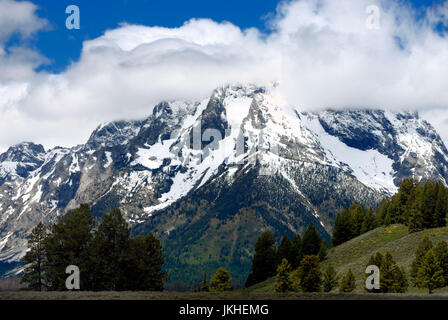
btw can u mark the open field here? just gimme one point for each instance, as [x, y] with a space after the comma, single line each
[237, 295]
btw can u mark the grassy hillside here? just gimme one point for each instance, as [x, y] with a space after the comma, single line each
[355, 253]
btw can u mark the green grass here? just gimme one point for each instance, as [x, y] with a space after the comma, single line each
[356, 253]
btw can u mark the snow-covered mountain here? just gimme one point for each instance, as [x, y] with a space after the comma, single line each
[208, 176]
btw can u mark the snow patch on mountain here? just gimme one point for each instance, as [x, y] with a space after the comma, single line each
[370, 167]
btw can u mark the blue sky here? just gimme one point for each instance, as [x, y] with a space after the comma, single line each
[61, 46]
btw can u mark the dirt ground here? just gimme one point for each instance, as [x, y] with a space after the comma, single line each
[237, 295]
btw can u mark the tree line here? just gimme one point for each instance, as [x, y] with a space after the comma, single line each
[107, 257]
[267, 257]
[417, 205]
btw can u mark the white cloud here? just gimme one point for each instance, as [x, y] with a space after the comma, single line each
[18, 17]
[320, 51]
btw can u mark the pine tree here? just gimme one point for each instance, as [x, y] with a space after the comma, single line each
[311, 241]
[330, 279]
[423, 247]
[308, 276]
[204, 285]
[282, 280]
[142, 265]
[441, 207]
[369, 222]
[68, 244]
[35, 271]
[264, 263]
[297, 253]
[221, 281]
[382, 211]
[348, 282]
[430, 191]
[358, 214]
[285, 250]
[441, 254]
[343, 229]
[416, 219]
[323, 250]
[407, 188]
[392, 277]
[430, 273]
[110, 247]
[393, 211]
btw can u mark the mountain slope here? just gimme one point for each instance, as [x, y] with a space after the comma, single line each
[209, 176]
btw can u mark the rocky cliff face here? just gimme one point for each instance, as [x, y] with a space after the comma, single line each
[209, 176]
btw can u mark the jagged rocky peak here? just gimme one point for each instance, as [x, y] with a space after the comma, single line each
[24, 152]
[114, 133]
[361, 129]
[19, 160]
[163, 108]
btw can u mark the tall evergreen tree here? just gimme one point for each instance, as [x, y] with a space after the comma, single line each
[68, 244]
[35, 270]
[358, 214]
[382, 211]
[369, 222]
[343, 230]
[416, 219]
[311, 241]
[285, 250]
[142, 265]
[308, 276]
[406, 189]
[441, 208]
[430, 273]
[441, 255]
[423, 247]
[430, 191]
[204, 285]
[264, 263]
[110, 247]
[392, 277]
[297, 253]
